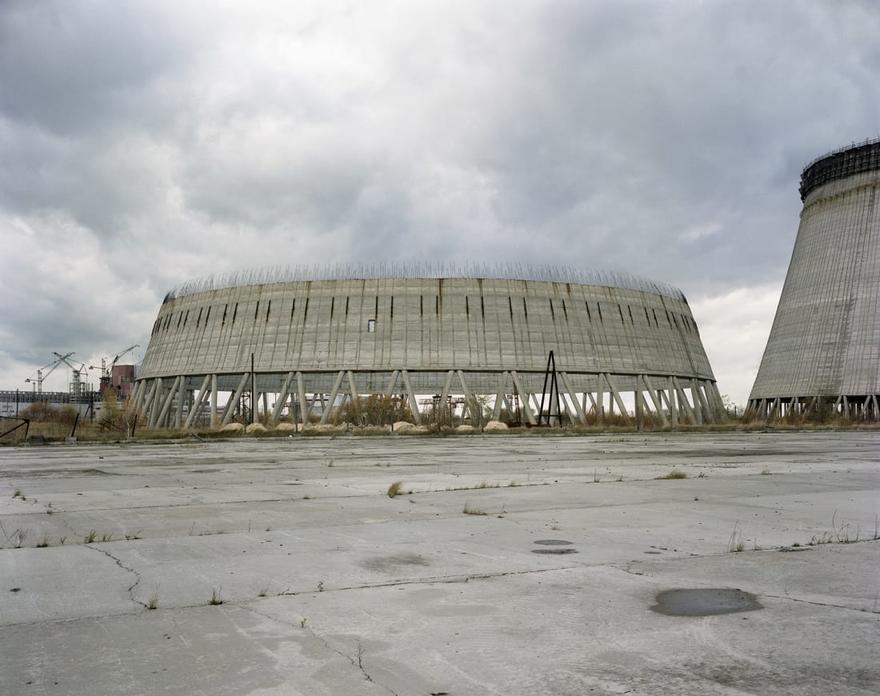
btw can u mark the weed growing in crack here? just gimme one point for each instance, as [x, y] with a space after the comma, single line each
[43, 543]
[841, 533]
[18, 494]
[263, 592]
[90, 537]
[215, 600]
[735, 544]
[62, 540]
[765, 471]
[106, 537]
[673, 475]
[321, 586]
[469, 510]
[394, 489]
[153, 600]
[819, 539]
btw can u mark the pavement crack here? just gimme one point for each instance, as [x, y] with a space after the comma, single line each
[820, 604]
[356, 661]
[119, 562]
[430, 580]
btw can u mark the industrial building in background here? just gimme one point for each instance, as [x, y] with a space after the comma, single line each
[311, 339]
[823, 354]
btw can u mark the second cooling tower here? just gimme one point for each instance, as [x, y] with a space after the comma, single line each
[823, 353]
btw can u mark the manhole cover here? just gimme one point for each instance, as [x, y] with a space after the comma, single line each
[704, 602]
[553, 542]
[554, 552]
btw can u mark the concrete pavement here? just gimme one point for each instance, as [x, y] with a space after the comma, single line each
[328, 586]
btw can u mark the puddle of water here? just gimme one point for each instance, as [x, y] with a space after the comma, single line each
[552, 542]
[554, 552]
[704, 602]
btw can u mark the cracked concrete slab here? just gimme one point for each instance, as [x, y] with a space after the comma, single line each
[328, 586]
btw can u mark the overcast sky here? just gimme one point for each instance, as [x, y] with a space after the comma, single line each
[145, 143]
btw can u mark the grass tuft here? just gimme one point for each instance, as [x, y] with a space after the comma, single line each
[675, 474]
[468, 510]
[394, 489]
[215, 600]
[735, 544]
[90, 537]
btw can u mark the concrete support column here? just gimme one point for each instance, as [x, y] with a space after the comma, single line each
[499, 395]
[579, 412]
[181, 401]
[392, 383]
[213, 401]
[325, 416]
[197, 402]
[638, 404]
[282, 397]
[134, 395]
[700, 409]
[163, 413]
[656, 398]
[444, 395]
[410, 395]
[301, 393]
[523, 397]
[352, 387]
[155, 406]
[615, 395]
[233, 400]
[148, 402]
[470, 399]
[683, 403]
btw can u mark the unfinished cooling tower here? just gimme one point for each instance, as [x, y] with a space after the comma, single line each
[823, 354]
[312, 338]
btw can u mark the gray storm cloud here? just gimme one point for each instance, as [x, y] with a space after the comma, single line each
[144, 143]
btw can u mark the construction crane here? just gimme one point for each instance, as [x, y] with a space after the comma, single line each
[50, 367]
[107, 370]
[77, 386]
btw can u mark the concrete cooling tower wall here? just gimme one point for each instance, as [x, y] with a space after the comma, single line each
[824, 348]
[621, 344]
